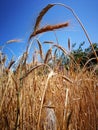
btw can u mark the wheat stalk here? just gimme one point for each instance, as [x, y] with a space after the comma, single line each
[67, 79]
[40, 49]
[48, 42]
[42, 13]
[79, 21]
[40, 16]
[13, 41]
[65, 52]
[49, 28]
[88, 62]
[43, 96]
[47, 55]
[69, 45]
[32, 69]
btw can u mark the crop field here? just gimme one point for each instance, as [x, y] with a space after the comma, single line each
[48, 93]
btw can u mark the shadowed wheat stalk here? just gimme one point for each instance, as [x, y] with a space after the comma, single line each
[49, 52]
[40, 49]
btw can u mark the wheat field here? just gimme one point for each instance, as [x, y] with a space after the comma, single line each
[43, 94]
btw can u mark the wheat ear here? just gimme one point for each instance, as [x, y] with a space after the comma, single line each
[79, 21]
[49, 28]
[40, 16]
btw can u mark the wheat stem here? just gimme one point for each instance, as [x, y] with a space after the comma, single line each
[79, 21]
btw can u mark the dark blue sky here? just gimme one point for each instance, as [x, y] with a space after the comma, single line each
[17, 18]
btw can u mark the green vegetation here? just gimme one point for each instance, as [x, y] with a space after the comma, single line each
[82, 56]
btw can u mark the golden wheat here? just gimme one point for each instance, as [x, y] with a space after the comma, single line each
[49, 28]
[44, 97]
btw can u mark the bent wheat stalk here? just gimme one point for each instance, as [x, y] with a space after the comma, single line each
[79, 21]
[65, 52]
[32, 69]
[44, 11]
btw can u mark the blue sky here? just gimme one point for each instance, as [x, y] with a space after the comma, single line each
[17, 18]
